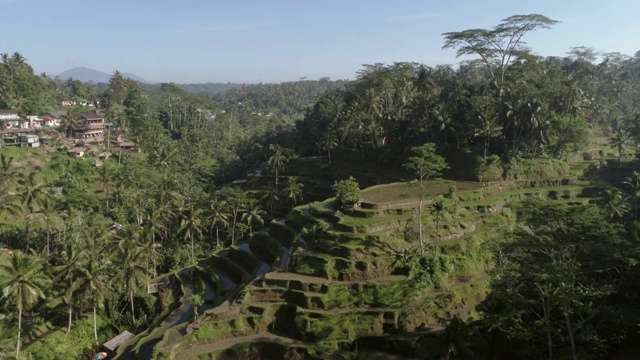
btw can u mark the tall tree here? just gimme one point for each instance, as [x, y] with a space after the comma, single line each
[21, 281]
[498, 46]
[425, 164]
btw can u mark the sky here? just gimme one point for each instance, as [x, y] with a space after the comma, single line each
[249, 41]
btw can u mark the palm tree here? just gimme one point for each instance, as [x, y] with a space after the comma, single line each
[191, 225]
[70, 264]
[155, 227]
[95, 275]
[279, 159]
[8, 172]
[72, 120]
[132, 275]
[437, 208]
[489, 128]
[613, 204]
[31, 190]
[217, 215]
[253, 213]
[633, 182]
[270, 197]
[293, 189]
[21, 281]
[48, 208]
[618, 141]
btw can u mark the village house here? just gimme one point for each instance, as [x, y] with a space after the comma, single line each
[48, 121]
[57, 115]
[35, 121]
[9, 119]
[92, 127]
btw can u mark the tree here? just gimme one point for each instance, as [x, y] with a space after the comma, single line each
[94, 275]
[21, 281]
[132, 275]
[437, 208]
[499, 46]
[218, 216]
[191, 225]
[196, 301]
[253, 213]
[618, 141]
[614, 205]
[293, 190]
[347, 191]
[70, 265]
[633, 182]
[279, 158]
[48, 208]
[271, 198]
[425, 164]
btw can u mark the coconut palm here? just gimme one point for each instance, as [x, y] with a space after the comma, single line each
[31, 190]
[437, 208]
[8, 172]
[217, 216]
[618, 141]
[633, 182]
[614, 205]
[253, 214]
[48, 208]
[154, 226]
[279, 158]
[270, 198]
[293, 190]
[191, 225]
[132, 275]
[70, 265]
[21, 281]
[95, 275]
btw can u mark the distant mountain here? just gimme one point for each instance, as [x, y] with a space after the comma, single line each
[85, 74]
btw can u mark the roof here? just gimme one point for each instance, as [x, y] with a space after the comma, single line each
[47, 118]
[77, 150]
[8, 112]
[57, 114]
[127, 144]
[90, 115]
[118, 340]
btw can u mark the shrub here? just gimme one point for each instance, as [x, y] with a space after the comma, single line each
[536, 169]
[347, 191]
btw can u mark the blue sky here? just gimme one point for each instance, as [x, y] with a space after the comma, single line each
[282, 40]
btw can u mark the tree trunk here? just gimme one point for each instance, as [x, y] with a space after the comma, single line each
[572, 341]
[19, 329]
[192, 256]
[70, 307]
[133, 314]
[437, 233]
[217, 237]
[420, 226]
[95, 323]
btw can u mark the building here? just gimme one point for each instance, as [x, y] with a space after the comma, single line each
[48, 121]
[9, 119]
[29, 141]
[57, 115]
[91, 127]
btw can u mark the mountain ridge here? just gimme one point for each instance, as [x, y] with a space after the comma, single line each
[86, 74]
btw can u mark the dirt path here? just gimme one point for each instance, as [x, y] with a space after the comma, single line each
[189, 352]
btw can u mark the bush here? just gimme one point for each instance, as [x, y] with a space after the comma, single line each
[536, 169]
[347, 191]
[489, 170]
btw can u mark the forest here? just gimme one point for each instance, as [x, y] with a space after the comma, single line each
[481, 148]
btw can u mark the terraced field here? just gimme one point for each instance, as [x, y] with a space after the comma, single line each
[349, 286]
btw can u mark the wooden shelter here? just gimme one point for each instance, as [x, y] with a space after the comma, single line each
[111, 345]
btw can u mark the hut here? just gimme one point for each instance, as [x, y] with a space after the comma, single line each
[111, 345]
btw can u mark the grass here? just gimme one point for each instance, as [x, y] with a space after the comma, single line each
[411, 191]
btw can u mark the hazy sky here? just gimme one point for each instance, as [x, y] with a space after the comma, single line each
[282, 40]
